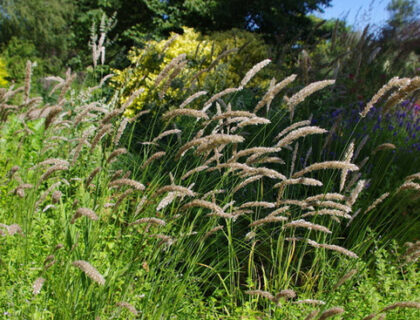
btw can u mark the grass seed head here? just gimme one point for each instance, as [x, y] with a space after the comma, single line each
[90, 271]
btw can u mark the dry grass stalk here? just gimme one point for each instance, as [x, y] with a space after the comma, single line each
[403, 304]
[167, 83]
[171, 65]
[270, 173]
[300, 203]
[27, 83]
[252, 151]
[19, 190]
[14, 229]
[347, 158]
[338, 249]
[360, 146]
[103, 130]
[217, 96]
[331, 313]
[298, 133]
[92, 175]
[192, 171]
[415, 176]
[154, 221]
[384, 146]
[272, 92]
[262, 204]
[212, 231]
[254, 70]
[192, 98]
[116, 153]
[108, 117]
[128, 306]
[78, 150]
[312, 315]
[310, 301]
[304, 181]
[377, 201]
[409, 185]
[127, 182]
[153, 157]
[185, 112]
[56, 196]
[214, 140]
[330, 212]
[279, 211]
[129, 101]
[287, 294]
[268, 219]
[355, 193]
[37, 286]
[331, 204]
[344, 278]
[326, 165]
[84, 212]
[166, 133]
[233, 114]
[90, 271]
[173, 188]
[251, 122]
[117, 174]
[250, 235]
[120, 131]
[46, 193]
[52, 113]
[402, 93]
[370, 316]
[246, 182]
[203, 204]
[307, 225]
[165, 239]
[49, 258]
[190, 144]
[264, 160]
[394, 82]
[121, 198]
[292, 166]
[305, 92]
[51, 170]
[85, 111]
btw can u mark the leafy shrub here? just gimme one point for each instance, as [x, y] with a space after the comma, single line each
[3, 73]
[212, 62]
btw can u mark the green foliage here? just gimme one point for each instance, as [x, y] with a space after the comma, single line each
[45, 22]
[16, 53]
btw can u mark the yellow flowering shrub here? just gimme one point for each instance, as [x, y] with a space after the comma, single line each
[201, 53]
[3, 74]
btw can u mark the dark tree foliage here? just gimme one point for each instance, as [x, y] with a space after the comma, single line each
[45, 23]
[61, 28]
[281, 21]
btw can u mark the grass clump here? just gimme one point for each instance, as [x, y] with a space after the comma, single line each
[203, 213]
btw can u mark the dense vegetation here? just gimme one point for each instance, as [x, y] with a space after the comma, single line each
[190, 166]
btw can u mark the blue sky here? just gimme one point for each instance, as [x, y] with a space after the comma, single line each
[358, 12]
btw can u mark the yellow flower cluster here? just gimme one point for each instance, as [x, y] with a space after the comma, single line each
[200, 52]
[3, 74]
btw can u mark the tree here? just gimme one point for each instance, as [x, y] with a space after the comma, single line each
[280, 21]
[42, 22]
[402, 13]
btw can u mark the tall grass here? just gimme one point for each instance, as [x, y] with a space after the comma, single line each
[227, 210]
